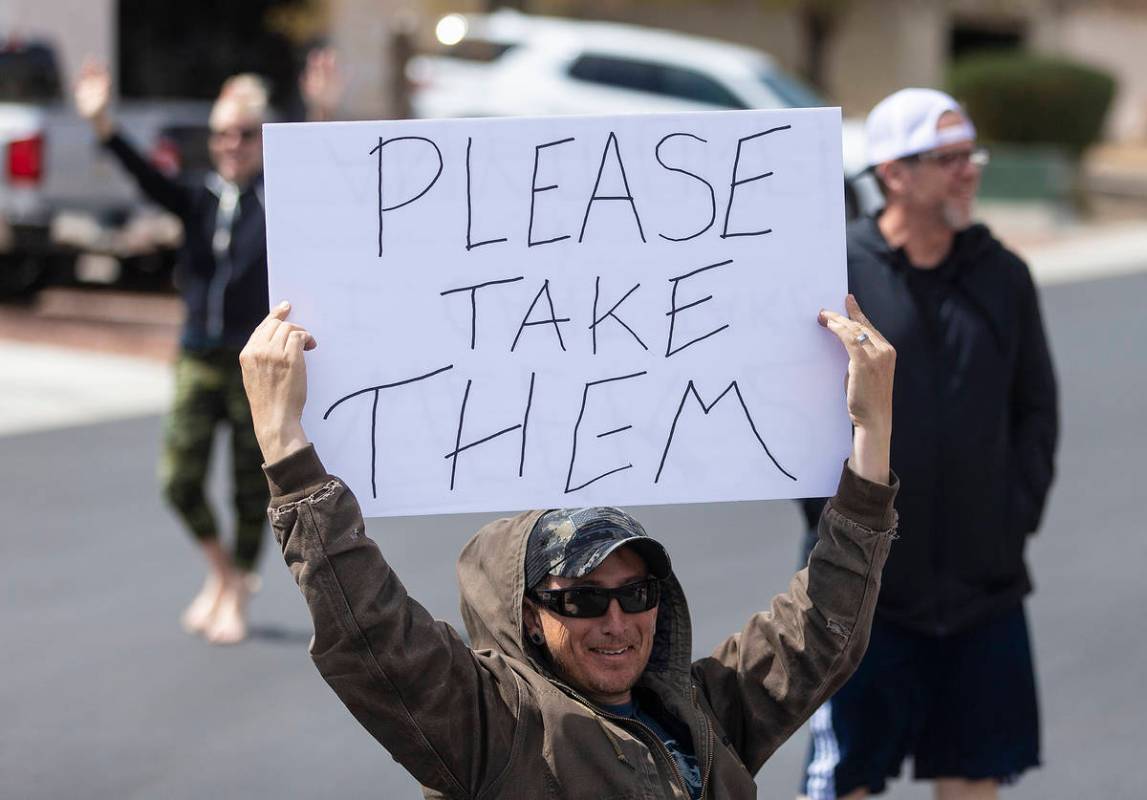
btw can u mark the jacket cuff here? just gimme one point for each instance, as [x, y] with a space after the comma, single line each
[865, 502]
[294, 474]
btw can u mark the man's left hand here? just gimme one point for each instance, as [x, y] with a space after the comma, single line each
[871, 366]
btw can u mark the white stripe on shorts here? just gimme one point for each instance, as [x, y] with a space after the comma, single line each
[819, 781]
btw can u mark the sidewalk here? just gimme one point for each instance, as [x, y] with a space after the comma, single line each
[1063, 250]
[45, 386]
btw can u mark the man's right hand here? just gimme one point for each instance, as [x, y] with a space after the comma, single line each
[275, 377]
[93, 97]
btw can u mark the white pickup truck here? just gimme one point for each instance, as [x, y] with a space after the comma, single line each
[60, 194]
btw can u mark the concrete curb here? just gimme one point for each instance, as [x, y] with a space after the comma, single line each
[1113, 251]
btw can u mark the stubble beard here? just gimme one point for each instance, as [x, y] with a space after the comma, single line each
[957, 214]
[589, 682]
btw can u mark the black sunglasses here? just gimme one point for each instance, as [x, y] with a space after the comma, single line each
[593, 601]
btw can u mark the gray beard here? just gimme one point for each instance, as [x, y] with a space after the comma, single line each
[956, 217]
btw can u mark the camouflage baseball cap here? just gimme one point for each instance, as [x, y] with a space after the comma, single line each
[572, 542]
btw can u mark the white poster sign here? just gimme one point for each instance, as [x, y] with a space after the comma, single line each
[532, 313]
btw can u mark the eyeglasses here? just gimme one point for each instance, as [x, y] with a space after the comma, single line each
[244, 135]
[584, 602]
[958, 159]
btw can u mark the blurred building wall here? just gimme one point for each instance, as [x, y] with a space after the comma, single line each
[366, 35]
[1112, 39]
[884, 45]
[77, 29]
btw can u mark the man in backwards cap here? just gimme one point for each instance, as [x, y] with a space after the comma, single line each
[579, 680]
[948, 677]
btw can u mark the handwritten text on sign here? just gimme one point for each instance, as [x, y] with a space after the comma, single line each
[519, 313]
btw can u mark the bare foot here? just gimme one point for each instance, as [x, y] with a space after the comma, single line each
[198, 616]
[229, 624]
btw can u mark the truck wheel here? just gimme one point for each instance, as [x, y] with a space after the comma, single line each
[21, 274]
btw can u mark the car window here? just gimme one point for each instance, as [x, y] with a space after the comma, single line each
[792, 92]
[692, 85]
[28, 74]
[647, 76]
[479, 50]
[620, 72]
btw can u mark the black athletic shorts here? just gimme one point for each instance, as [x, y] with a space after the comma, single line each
[961, 706]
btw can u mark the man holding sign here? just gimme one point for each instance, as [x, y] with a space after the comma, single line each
[564, 692]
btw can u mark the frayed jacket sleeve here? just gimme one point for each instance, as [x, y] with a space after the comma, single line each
[765, 681]
[446, 715]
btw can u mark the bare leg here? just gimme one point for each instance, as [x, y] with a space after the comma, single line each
[960, 789]
[198, 616]
[229, 625]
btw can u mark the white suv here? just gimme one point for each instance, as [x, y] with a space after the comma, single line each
[507, 63]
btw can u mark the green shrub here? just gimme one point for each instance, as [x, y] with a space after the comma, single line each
[1024, 99]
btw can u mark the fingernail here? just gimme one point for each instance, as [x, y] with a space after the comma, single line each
[283, 304]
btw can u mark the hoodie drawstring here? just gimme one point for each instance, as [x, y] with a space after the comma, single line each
[613, 741]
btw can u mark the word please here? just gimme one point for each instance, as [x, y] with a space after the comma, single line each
[401, 151]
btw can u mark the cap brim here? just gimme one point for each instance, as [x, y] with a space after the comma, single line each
[651, 551]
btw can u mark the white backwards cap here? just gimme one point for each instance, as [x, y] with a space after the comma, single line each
[904, 124]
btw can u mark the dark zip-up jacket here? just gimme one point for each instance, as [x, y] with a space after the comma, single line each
[975, 424]
[224, 302]
[492, 720]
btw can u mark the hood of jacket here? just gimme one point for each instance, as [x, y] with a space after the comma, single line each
[491, 578]
[971, 246]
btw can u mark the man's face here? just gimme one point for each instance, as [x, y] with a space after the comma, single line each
[602, 656]
[236, 142]
[942, 183]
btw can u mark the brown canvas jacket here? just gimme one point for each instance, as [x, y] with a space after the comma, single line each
[490, 720]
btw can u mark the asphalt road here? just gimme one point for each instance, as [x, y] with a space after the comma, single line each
[102, 696]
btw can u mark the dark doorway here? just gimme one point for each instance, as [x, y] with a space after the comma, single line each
[977, 36]
[186, 50]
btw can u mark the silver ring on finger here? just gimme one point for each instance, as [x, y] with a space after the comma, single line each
[861, 338]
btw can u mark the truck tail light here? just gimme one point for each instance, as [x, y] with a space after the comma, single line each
[26, 159]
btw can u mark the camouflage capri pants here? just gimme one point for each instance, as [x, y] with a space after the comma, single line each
[208, 391]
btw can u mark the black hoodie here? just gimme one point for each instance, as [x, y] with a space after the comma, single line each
[226, 301]
[975, 424]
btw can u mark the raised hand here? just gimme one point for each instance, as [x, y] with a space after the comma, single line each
[871, 366]
[322, 84]
[275, 377]
[92, 94]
